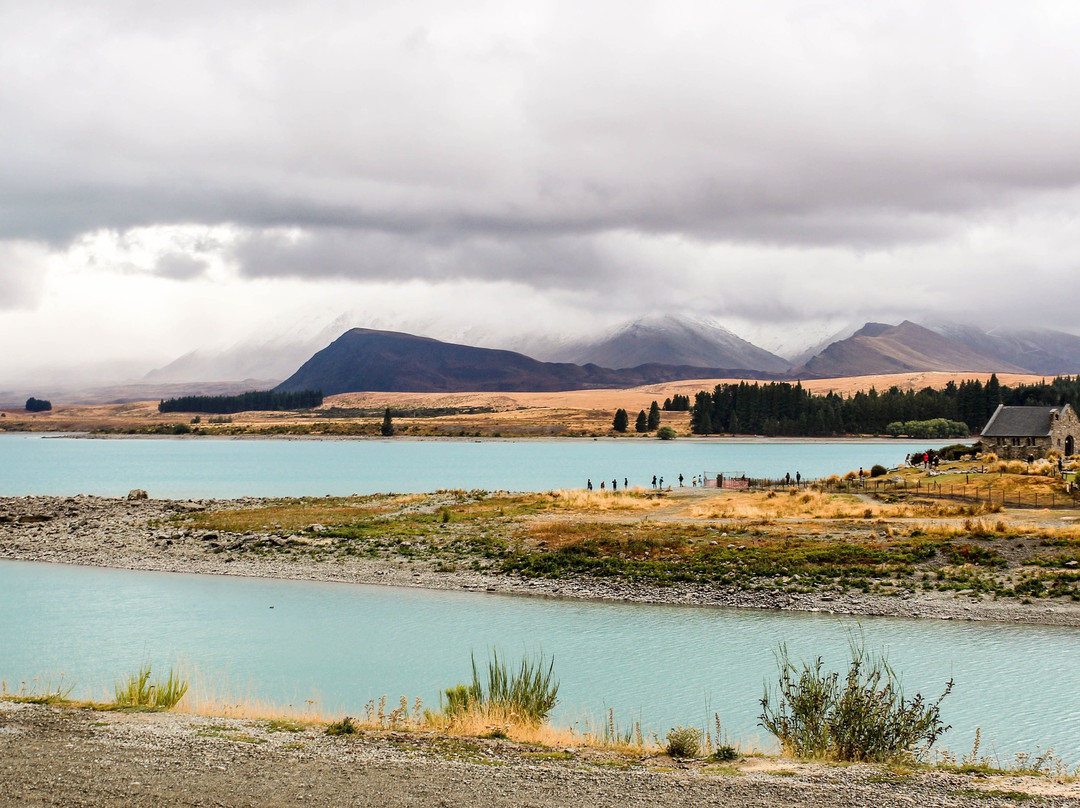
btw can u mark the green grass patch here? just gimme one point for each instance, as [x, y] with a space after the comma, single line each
[137, 691]
[527, 694]
[283, 725]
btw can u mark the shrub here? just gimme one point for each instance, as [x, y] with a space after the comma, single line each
[38, 405]
[863, 717]
[933, 428]
[725, 752]
[684, 742]
[137, 690]
[528, 696]
[955, 451]
[346, 726]
[666, 433]
[878, 470]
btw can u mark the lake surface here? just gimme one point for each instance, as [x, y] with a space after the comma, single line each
[201, 467]
[340, 645]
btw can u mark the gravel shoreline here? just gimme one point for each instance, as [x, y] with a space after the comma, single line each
[135, 534]
[76, 757]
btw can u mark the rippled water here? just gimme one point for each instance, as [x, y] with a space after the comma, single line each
[341, 645]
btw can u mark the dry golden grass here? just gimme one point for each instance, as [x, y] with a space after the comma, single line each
[484, 721]
[572, 412]
[635, 499]
[299, 514]
[804, 504]
[639, 398]
[406, 714]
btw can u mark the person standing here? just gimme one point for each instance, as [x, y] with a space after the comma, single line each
[680, 481]
[589, 484]
[615, 485]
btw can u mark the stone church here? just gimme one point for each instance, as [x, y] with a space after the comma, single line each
[1017, 433]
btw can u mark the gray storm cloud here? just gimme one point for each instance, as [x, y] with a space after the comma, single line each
[781, 124]
[772, 160]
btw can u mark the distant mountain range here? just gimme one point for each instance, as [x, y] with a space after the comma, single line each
[1053, 353]
[370, 360]
[364, 360]
[671, 340]
[645, 350]
[877, 348]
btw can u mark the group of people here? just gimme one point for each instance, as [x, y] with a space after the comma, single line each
[925, 459]
[695, 481]
[657, 482]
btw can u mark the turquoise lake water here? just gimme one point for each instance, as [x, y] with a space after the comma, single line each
[181, 468]
[339, 645]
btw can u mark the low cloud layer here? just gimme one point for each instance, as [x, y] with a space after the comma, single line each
[777, 162]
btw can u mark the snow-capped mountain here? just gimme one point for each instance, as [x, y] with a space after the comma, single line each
[1037, 350]
[670, 340]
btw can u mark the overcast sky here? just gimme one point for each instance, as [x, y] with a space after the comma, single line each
[177, 175]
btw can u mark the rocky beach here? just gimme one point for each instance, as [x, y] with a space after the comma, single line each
[81, 758]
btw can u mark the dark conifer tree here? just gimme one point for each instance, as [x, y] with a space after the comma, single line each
[387, 427]
[642, 423]
[621, 422]
[654, 417]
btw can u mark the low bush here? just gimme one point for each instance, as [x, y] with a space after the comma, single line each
[683, 742]
[346, 726]
[863, 717]
[666, 433]
[726, 752]
[878, 470]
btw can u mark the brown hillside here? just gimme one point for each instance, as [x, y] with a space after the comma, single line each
[877, 349]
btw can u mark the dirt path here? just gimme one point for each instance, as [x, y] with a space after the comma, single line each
[78, 758]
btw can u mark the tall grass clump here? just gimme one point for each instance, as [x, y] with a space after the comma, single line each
[138, 691]
[860, 717]
[526, 695]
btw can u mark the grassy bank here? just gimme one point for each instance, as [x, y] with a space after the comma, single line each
[795, 541]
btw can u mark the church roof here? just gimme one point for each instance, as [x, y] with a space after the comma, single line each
[1020, 422]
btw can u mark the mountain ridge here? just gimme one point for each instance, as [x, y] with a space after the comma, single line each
[878, 348]
[671, 340]
[367, 360]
